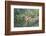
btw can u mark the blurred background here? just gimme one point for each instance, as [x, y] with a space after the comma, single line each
[26, 17]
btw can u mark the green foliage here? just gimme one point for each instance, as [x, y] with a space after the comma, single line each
[19, 15]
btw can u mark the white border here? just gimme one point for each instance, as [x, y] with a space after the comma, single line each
[26, 28]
